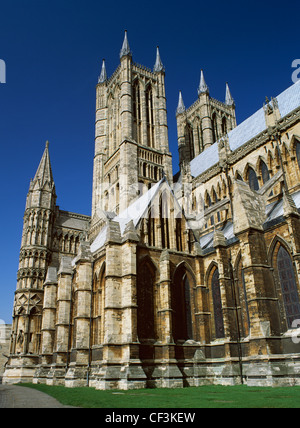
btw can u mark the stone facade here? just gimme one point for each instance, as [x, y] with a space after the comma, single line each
[172, 281]
[5, 332]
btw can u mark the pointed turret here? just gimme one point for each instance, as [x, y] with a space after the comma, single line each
[103, 75]
[158, 66]
[44, 171]
[228, 98]
[203, 88]
[180, 107]
[125, 47]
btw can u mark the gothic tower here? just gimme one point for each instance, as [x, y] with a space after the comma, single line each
[35, 257]
[204, 122]
[131, 138]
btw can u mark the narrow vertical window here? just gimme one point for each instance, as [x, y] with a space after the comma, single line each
[264, 172]
[189, 141]
[253, 181]
[298, 153]
[215, 128]
[178, 234]
[149, 117]
[288, 284]
[145, 301]
[136, 112]
[217, 305]
[224, 126]
[181, 305]
[164, 221]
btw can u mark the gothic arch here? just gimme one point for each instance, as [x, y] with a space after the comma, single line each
[213, 265]
[146, 305]
[241, 296]
[286, 282]
[238, 175]
[98, 305]
[250, 176]
[182, 302]
[277, 240]
[215, 301]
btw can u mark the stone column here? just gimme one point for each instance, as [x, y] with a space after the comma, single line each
[250, 215]
[63, 306]
[206, 120]
[49, 315]
[78, 370]
[166, 373]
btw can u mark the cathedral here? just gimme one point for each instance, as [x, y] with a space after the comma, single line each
[174, 280]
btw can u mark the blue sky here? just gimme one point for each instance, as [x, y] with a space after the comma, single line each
[53, 52]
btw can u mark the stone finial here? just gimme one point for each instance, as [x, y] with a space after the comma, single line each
[272, 113]
[51, 277]
[113, 233]
[165, 256]
[219, 239]
[130, 232]
[65, 266]
[228, 98]
[84, 253]
[103, 75]
[125, 47]
[249, 208]
[180, 107]
[289, 206]
[158, 66]
[203, 88]
[44, 171]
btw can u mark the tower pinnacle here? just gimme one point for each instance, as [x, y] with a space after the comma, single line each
[228, 98]
[44, 171]
[203, 88]
[125, 47]
[180, 107]
[103, 75]
[158, 66]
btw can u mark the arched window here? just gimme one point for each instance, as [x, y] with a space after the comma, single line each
[288, 286]
[151, 229]
[189, 141]
[164, 221]
[217, 305]
[298, 153]
[179, 246]
[137, 123]
[224, 126]
[214, 128]
[264, 172]
[149, 117]
[145, 301]
[98, 307]
[252, 178]
[144, 169]
[181, 305]
[242, 302]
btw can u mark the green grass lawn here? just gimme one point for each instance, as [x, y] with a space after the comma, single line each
[201, 397]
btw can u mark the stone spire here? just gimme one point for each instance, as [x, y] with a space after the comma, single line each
[228, 98]
[44, 171]
[125, 47]
[180, 107]
[103, 75]
[158, 66]
[203, 88]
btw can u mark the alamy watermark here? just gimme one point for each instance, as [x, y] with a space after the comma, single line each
[2, 71]
[296, 73]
